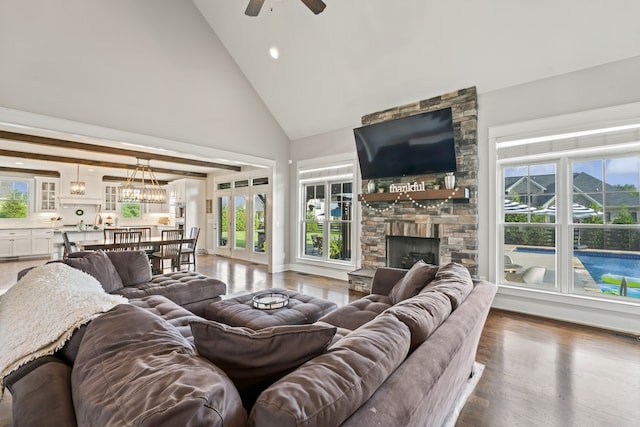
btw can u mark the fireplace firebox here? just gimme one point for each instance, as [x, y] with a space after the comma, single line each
[403, 251]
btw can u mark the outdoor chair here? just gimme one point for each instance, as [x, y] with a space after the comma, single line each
[531, 275]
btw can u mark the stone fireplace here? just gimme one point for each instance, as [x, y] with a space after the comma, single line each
[447, 220]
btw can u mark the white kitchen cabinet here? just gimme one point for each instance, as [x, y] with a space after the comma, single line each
[47, 194]
[41, 242]
[15, 243]
[110, 198]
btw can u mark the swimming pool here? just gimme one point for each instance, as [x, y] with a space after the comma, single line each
[599, 263]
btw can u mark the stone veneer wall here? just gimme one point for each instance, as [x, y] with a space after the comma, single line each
[454, 222]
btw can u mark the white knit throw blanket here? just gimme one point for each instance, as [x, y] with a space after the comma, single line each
[40, 312]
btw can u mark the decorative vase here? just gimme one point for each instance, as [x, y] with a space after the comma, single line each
[371, 186]
[449, 181]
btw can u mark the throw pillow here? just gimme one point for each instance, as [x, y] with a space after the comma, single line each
[453, 280]
[99, 266]
[416, 278]
[255, 359]
[133, 267]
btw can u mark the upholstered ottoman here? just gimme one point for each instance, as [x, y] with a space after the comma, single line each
[239, 311]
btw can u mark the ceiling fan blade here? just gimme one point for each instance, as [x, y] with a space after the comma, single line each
[253, 8]
[316, 6]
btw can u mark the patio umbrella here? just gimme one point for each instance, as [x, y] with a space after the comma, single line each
[578, 211]
[511, 207]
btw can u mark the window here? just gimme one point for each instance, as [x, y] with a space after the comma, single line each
[131, 210]
[569, 222]
[14, 198]
[326, 213]
[528, 227]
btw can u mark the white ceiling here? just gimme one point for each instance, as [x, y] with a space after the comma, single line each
[362, 56]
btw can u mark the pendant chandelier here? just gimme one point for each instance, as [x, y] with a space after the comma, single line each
[145, 189]
[77, 186]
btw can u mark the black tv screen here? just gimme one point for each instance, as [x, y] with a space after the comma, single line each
[414, 145]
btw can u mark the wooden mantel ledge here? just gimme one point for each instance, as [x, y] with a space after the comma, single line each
[457, 194]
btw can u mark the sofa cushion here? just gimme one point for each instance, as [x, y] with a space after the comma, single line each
[42, 396]
[326, 390]
[340, 332]
[357, 313]
[134, 368]
[416, 278]
[163, 307]
[133, 267]
[255, 359]
[99, 266]
[423, 314]
[454, 281]
[181, 287]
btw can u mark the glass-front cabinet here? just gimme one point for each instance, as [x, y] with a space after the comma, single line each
[46, 194]
[110, 198]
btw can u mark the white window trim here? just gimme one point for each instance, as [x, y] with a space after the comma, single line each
[314, 265]
[616, 315]
[31, 200]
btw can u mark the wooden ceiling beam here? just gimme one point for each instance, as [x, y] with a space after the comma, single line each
[62, 159]
[63, 143]
[38, 172]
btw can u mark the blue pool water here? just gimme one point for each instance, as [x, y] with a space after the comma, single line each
[599, 263]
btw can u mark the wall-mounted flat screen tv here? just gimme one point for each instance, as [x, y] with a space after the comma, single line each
[413, 145]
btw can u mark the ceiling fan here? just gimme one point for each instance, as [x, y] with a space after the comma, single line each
[316, 6]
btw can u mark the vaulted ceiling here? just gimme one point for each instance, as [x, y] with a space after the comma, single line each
[362, 56]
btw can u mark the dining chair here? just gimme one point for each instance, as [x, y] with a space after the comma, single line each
[145, 236]
[170, 249]
[108, 233]
[127, 240]
[69, 246]
[188, 255]
[146, 232]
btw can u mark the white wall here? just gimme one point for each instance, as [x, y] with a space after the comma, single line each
[595, 88]
[148, 67]
[607, 85]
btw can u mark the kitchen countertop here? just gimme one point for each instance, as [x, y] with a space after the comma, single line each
[70, 228]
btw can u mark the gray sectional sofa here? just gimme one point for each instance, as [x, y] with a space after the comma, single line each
[397, 357]
[128, 273]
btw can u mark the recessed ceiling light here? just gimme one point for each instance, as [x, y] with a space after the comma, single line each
[90, 170]
[18, 163]
[274, 52]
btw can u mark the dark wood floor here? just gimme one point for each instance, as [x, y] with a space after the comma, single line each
[538, 372]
